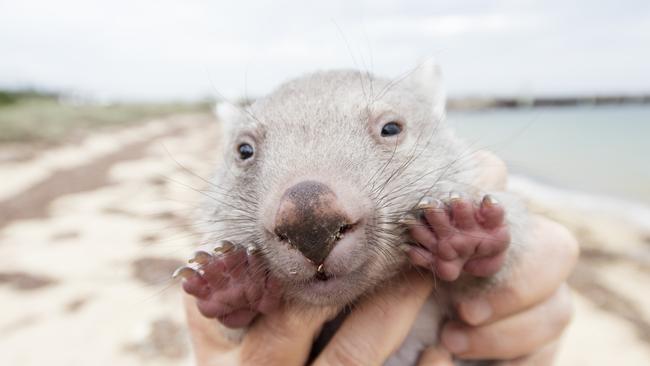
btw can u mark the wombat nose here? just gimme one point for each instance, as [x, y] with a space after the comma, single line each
[310, 219]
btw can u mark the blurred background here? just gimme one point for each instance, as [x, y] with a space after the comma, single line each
[106, 131]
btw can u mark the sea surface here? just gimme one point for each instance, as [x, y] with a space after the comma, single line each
[602, 150]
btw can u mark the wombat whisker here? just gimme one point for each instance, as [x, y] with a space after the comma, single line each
[243, 109]
[437, 181]
[386, 165]
[383, 168]
[209, 188]
[411, 157]
[211, 238]
[200, 226]
[354, 60]
[317, 136]
[383, 202]
[396, 81]
[213, 234]
[236, 219]
[409, 183]
[209, 183]
[388, 162]
[229, 231]
[205, 194]
[212, 227]
[174, 238]
[391, 176]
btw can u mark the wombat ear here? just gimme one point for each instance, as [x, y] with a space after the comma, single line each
[228, 115]
[427, 77]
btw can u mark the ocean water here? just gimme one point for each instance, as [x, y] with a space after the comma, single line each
[601, 150]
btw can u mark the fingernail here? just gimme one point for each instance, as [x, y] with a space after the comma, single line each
[405, 247]
[224, 246]
[425, 202]
[438, 203]
[185, 272]
[201, 257]
[476, 312]
[489, 200]
[454, 196]
[429, 202]
[419, 216]
[454, 340]
[408, 219]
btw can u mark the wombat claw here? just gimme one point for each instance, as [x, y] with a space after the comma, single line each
[459, 235]
[230, 283]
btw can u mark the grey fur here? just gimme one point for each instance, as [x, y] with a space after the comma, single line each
[320, 126]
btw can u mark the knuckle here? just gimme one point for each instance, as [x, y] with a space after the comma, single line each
[573, 246]
[496, 172]
[515, 293]
[263, 351]
[502, 238]
[565, 308]
[568, 241]
[345, 354]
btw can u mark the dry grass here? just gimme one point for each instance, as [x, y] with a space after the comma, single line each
[48, 120]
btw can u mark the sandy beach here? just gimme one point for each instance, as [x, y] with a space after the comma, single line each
[90, 232]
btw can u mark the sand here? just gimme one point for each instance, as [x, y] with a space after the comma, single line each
[90, 232]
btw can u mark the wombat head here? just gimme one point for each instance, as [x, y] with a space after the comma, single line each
[318, 174]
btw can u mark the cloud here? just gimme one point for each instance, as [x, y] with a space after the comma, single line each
[445, 25]
[161, 49]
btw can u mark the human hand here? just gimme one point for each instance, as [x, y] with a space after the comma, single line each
[285, 336]
[494, 326]
[497, 324]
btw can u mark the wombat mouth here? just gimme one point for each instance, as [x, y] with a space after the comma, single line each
[322, 276]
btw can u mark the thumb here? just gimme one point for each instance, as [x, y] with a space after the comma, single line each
[493, 174]
[435, 356]
[285, 336]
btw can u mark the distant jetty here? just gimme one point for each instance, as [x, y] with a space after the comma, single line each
[511, 103]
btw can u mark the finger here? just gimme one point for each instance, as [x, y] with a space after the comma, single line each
[437, 217]
[511, 337]
[378, 326]
[542, 357]
[440, 222]
[537, 273]
[207, 340]
[284, 337]
[485, 266]
[492, 213]
[435, 356]
[493, 175]
[462, 211]
[422, 234]
[421, 257]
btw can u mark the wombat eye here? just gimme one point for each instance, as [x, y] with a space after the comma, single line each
[245, 151]
[391, 129]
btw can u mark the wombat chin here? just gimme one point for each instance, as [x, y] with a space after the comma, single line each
[335, 291]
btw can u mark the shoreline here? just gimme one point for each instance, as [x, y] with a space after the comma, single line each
[552, 197]
[479, 103]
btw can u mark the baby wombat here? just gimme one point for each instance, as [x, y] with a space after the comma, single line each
[334, 184]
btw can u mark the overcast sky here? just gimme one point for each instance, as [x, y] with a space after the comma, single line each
[184, 49]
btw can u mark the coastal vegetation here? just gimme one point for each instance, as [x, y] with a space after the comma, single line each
[46, 117]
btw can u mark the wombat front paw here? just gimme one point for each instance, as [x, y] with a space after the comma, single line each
[230, 284]
[460, 235]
